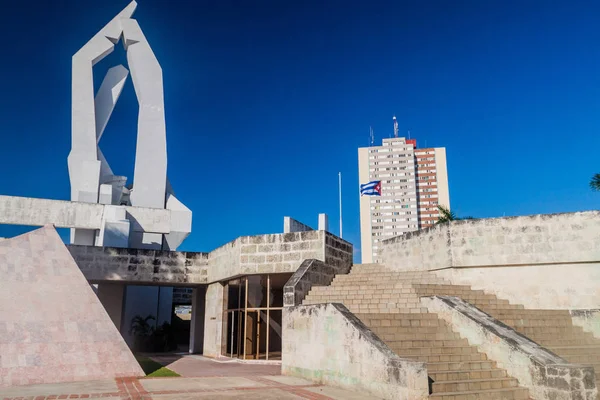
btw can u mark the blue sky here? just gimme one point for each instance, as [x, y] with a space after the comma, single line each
[267, 100]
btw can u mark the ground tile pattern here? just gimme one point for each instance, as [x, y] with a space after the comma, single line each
[249, 387]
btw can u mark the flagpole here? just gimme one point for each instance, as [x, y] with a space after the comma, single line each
[340, 192]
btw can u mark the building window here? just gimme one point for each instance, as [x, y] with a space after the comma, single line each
[253, 316]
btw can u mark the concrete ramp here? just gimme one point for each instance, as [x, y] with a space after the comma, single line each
[53, 328]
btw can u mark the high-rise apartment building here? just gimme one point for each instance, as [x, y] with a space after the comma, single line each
[413, 182]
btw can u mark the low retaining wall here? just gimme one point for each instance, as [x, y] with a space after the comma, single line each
[327, 344]
[546, 375]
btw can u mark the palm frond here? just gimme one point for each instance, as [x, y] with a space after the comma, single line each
[445, 215]
[595, 182]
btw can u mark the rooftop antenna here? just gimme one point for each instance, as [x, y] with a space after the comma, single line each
[395, 126]
[372, 135]
[409, 134]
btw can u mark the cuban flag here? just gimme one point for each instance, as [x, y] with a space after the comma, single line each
[371, 189]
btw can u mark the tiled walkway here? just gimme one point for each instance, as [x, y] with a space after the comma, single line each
[201, 379]
[250, 387]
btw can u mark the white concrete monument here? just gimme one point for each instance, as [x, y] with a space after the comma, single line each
[92, 179]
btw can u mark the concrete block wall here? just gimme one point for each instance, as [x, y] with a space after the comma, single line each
[541, 261]
[280, 253]
[327, 344]
[247, 255]
[421, 250]
[100, 264]
[535, 239]
[224, 261]
[338, 253]
[528, 240]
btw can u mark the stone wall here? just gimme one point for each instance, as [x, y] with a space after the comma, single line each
[327, 344]
[546, 375]
[224, 261]
[540, 261]
[427, 249]
[247, 255]
[100, 264]
[530, 240]
[280, 252]
[559, 286]
[338, 253]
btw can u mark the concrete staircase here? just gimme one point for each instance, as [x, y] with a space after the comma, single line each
[552, 329]
[388, 303]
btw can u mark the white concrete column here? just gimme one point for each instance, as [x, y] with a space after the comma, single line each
[323, 222]
[213, 321]
[197, 323]
[111, 296]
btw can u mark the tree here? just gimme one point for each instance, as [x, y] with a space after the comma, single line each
[446, 215]
[595, 183]
[141, 327]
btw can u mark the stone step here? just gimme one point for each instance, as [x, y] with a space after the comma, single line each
[461, 375]
[370, 306]
[516, 316]
[439, 358]
[408, 298]
[586, 359]
[368, 317]
[493, 394]
[432, 330]
[355, 309]
[492, 307]
[365, 286]
[390, 339]
[387, 274]
[421, 336]
[474, 385]
[461, 366]
[536, 313]
[576, 350]
[428, 287]
[559, 331]
[440, 336]
[404, 322]
[407, 279]
[537, 322]
[572, 341]
[403, 351]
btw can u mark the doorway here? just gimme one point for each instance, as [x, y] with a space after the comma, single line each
[254, 315]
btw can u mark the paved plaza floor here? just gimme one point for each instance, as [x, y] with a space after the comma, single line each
[201, 379]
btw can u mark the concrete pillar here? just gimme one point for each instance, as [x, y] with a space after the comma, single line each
[213, 321]
[111, 296]
[197, 323]
[323, 222]
[287, 224]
